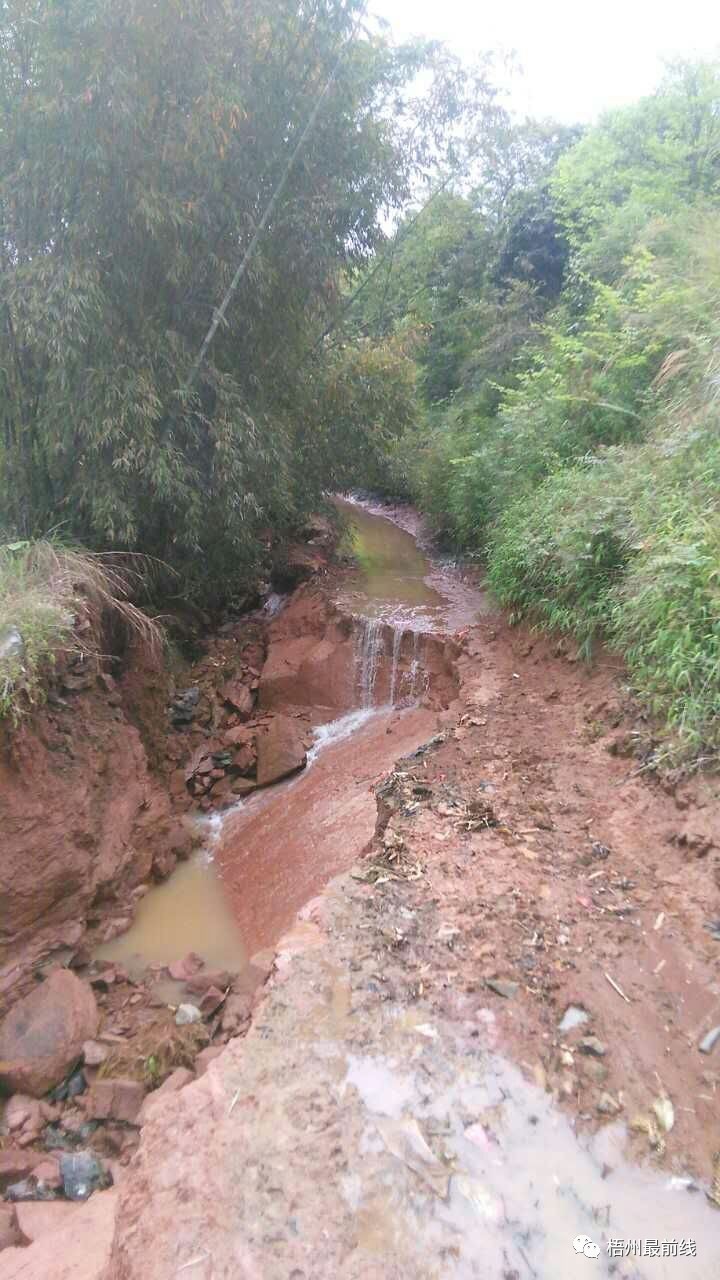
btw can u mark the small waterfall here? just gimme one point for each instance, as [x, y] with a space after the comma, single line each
[413, 681]
[397, 642]
[379, 642]
[369, 645]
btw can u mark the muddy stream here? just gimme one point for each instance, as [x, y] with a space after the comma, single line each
[529, 1197]
[263, 859]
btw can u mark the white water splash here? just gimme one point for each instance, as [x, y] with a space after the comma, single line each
[372, 640]
[326, 735]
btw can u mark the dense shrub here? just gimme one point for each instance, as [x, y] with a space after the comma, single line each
[627, 543]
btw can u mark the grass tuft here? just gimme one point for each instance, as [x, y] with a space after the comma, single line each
[60, 600]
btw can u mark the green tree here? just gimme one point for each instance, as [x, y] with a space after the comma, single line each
[139, 145]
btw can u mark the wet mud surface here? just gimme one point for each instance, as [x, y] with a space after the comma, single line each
[371, 1126]
[478, 1052]
[478, 1055]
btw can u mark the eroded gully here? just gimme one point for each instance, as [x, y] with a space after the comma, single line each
[357, 1132]
[263, 859]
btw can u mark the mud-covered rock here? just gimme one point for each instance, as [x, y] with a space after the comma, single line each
[78, 1249]
[281, 750]
[42, 1036]
[82, 819]
[16, 1163]
[238, 696]
[176, 1081]
[116, 1098]
[36, 1218]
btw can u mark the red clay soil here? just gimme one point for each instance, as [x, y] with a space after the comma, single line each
[559, 867]
[518, 867]
[83, 825]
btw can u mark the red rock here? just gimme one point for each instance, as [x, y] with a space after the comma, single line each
[21, 1112]
[94, 1053]
[211, 1001]
[245, 759]
[236, 1011]
[15, 1164]
[310, 658]
[261, 962]
[163, 864]
[78, 1249]
[280, 751]
[42, 1036]
[48, 1172]
[116, 1099]
[239, 697]
[242, 736]
[176, 1081]
[188, 967]
[206, 1056]
[209, 978]
[9, 1232]
[243, 786]
[36, 1218]
[223, 796]
[114, 927]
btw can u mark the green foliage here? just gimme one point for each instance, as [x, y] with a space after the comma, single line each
[139, 145]
[642, 161]
[367, 396]
[627, 544]
[575, 444]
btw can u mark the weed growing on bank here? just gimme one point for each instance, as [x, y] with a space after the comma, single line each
[55, 605]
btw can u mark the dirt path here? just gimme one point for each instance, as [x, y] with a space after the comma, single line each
[389, 1114]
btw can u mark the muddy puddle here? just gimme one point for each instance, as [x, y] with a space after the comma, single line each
[189, 912]
[392, 580]
[514, 1188]
[264, 858]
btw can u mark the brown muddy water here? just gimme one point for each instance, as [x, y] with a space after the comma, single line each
[263, 859]
[397, 582]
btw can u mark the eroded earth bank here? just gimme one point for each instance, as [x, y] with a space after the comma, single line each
[431, 992]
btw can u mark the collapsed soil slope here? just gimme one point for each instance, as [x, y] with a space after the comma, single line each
[393, 1109]
[84, 824]
[517, 851]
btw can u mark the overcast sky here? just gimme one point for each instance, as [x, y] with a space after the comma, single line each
[577, 57]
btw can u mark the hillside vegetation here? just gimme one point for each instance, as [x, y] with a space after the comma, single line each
[570, 435]
[206, 327]
[145, 149]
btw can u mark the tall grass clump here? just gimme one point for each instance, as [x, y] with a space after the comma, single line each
[58, 604]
